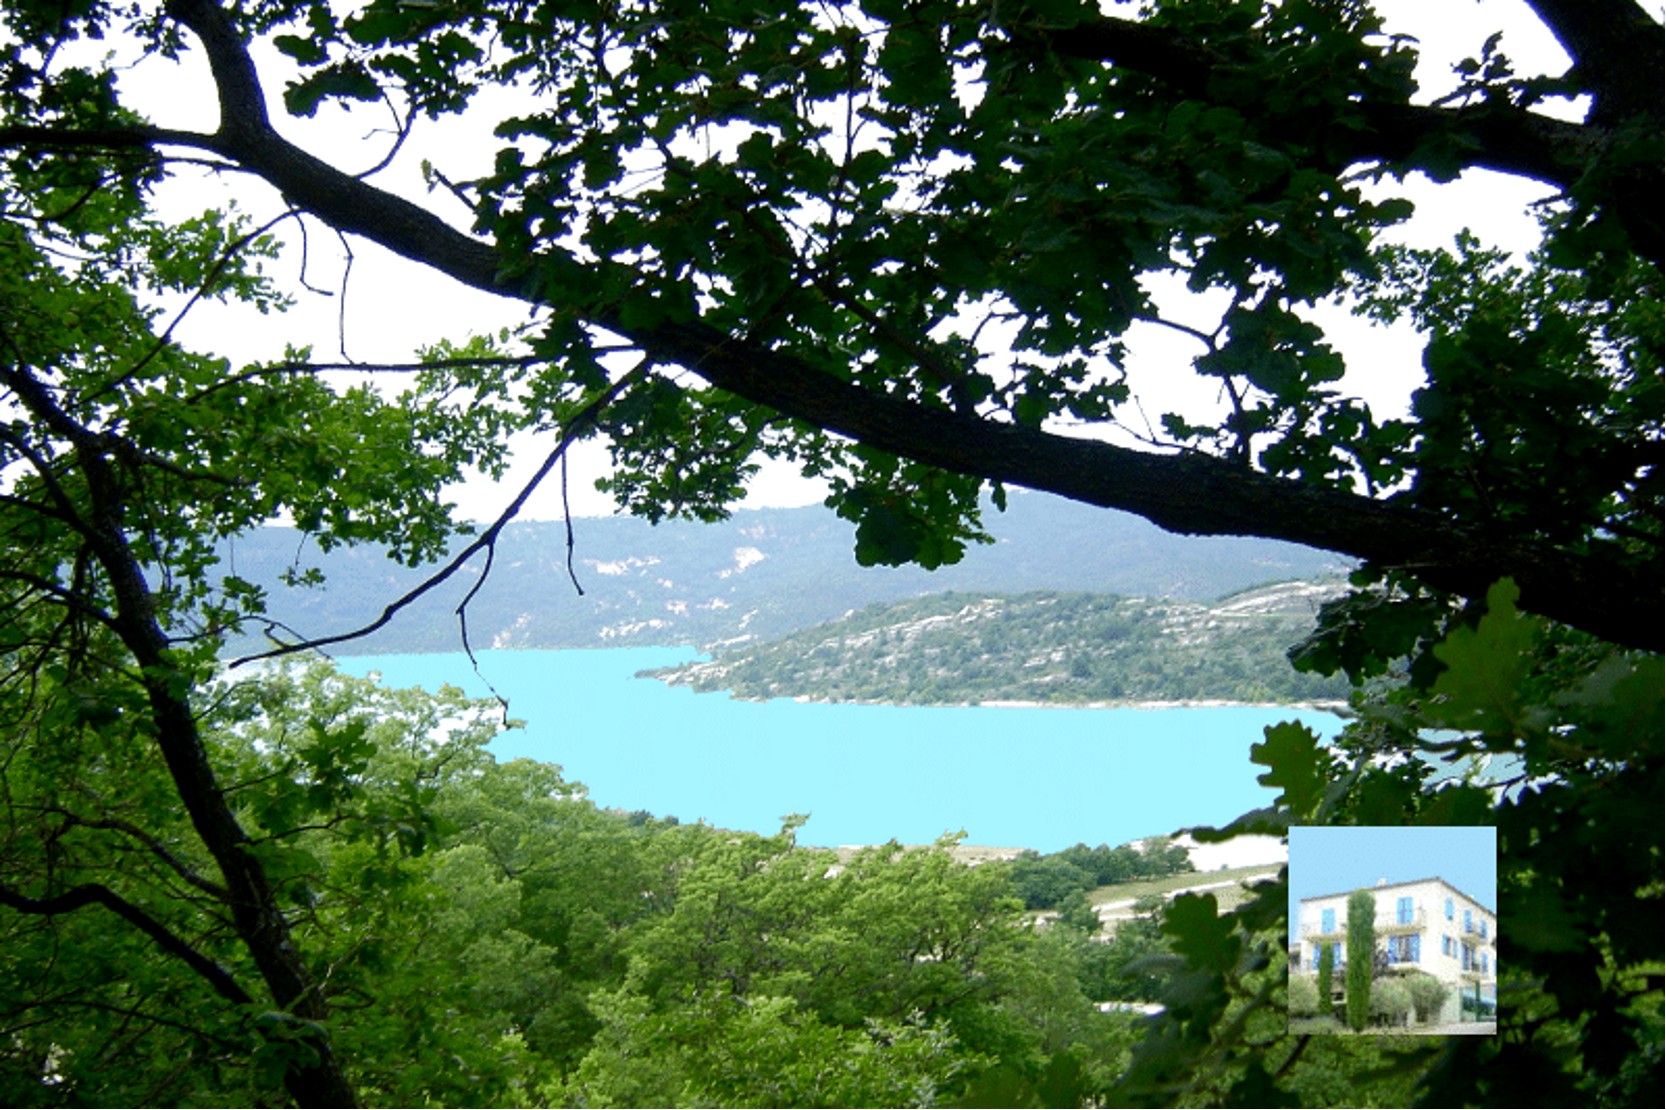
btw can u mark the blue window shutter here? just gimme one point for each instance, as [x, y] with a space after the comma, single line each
[1327, 922]
[1416, 948]
[1449, 909]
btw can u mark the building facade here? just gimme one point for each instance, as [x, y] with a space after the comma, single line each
[1426, 925]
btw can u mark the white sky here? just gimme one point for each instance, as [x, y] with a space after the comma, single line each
[394, 306]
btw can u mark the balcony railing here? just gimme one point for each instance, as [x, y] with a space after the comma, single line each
[1386, 924]
[1393, 923]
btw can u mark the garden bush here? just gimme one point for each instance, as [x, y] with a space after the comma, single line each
[1428, 995]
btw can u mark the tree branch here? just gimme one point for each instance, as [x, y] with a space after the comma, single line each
[251, 897]
[137, 137]
[1622, 66]
[91, 894]
[1617, 53]
[1512, 141]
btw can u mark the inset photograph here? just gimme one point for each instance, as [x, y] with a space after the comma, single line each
[1394, 930]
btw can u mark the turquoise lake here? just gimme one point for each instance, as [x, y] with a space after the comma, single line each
[1013, 777]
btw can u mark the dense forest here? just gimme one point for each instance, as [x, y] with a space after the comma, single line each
[495, 938]
[1052, 648]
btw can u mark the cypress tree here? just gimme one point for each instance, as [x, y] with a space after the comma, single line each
[1327, 965]
[1362, 944]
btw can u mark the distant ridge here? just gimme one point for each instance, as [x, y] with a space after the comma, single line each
[760, 574]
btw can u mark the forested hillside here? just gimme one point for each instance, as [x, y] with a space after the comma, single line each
[1056, 648]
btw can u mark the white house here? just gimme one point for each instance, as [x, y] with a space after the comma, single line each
[1426, 925]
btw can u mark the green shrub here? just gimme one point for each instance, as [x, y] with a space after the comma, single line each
[1428, 995]
[1303, 994]
[1390, 1000]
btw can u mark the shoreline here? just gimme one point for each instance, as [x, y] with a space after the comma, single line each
[1322, 705]
[1248, 850]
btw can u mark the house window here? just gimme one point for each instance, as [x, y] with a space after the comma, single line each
[1449, 909]
[1448, 947]
[1483, 928]
[1469, 963]
[1327, 921]
[1469, 922]
[1403, 911]
[1405, 949]
[1483, 963]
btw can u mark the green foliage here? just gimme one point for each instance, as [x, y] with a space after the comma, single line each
[1391, 1000]
[492, 938]
[1362, 949]
[1303, 995]
[1046, 881]
[895, 975]
[1551, 744]
[1298, 766]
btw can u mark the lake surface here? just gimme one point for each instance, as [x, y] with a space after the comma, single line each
[1013, 777]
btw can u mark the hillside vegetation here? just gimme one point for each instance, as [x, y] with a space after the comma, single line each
[1043, 646]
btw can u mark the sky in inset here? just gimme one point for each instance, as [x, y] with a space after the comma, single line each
[1337, 860]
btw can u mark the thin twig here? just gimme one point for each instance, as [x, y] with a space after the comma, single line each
[582, 421]
[567, 517]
